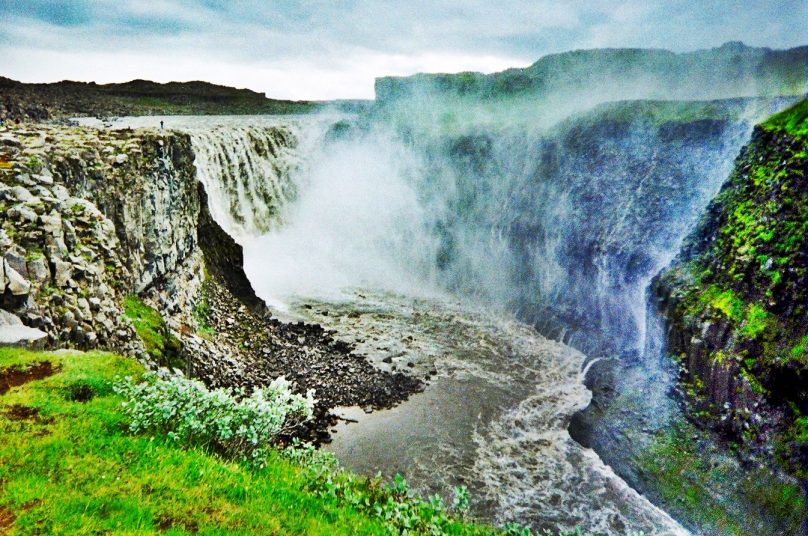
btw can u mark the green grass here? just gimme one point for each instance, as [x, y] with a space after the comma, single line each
[153, 331]
[82, 474]
[794, 120]
[73, 468]
[201, 314]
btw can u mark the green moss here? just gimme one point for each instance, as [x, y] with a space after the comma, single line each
[724, 301]
[153, 331]
[756, 321]
[746, 275]
[794, 120]
[686, 479]
[799, 352]
[34, 253]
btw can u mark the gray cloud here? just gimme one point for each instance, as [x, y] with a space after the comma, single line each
[326, 49]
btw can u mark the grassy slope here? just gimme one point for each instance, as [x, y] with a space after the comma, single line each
[72, 469]
[152, 330]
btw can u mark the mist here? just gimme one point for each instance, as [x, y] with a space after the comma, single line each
[562, 222]
[358, 222]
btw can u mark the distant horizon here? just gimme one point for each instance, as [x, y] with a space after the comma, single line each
[323, 51]
[372, 97]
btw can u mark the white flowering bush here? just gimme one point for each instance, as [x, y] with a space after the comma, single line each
[226, 421]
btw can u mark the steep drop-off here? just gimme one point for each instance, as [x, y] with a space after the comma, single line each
[735, 299]
[567, 225]
[90, 216]
[108, 242]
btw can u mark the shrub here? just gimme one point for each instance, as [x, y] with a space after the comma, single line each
[226, 421]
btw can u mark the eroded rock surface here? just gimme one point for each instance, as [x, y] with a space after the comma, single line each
[92, 216]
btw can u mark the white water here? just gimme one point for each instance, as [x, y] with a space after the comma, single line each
[358, 223]
[247, 174]
[496, 415]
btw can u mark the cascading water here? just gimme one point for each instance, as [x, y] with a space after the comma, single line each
[564, 226]
[246, 173]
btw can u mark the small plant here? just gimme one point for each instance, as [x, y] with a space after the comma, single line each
[515, 529]
[33, 163]
[153, 331]
[225, 421]
[395, 504]
[201, 313]
[462, 499]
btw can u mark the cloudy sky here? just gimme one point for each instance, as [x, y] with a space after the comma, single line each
[310, 49]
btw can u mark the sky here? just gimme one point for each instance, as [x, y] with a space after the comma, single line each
[320, 49]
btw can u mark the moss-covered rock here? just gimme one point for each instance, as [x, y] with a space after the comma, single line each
[736, 298]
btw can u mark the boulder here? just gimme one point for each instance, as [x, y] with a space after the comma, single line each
[14, 333]
[63, 272]
[45, 177]
[21, 194]
[60, 192]
[22, 213]
[52, 223]
[17, 262]
[15, 283]
[84, 309]
[38, 270]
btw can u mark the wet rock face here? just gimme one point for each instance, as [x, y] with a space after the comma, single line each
[585, 214]
[735, 301]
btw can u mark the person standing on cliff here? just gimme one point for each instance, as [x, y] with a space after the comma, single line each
[161, 125]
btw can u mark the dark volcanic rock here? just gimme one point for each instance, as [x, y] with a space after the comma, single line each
[40, 102]
[264, 348]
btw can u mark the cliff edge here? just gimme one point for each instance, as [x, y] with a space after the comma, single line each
[735, 299]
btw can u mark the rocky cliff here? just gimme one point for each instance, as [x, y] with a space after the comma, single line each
[107, 242]
[732, 70]
[735, 299]
[91, 216]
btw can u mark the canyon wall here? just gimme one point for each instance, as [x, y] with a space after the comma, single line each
[735, 298]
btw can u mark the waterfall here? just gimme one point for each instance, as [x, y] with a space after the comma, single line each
[564, 224]
[567, 226]
[248, 173]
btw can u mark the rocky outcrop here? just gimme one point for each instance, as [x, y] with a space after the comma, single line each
[735, 300]
[91, 216]
[107, 241]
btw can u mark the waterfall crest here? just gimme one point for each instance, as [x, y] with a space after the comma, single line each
[248, 174]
